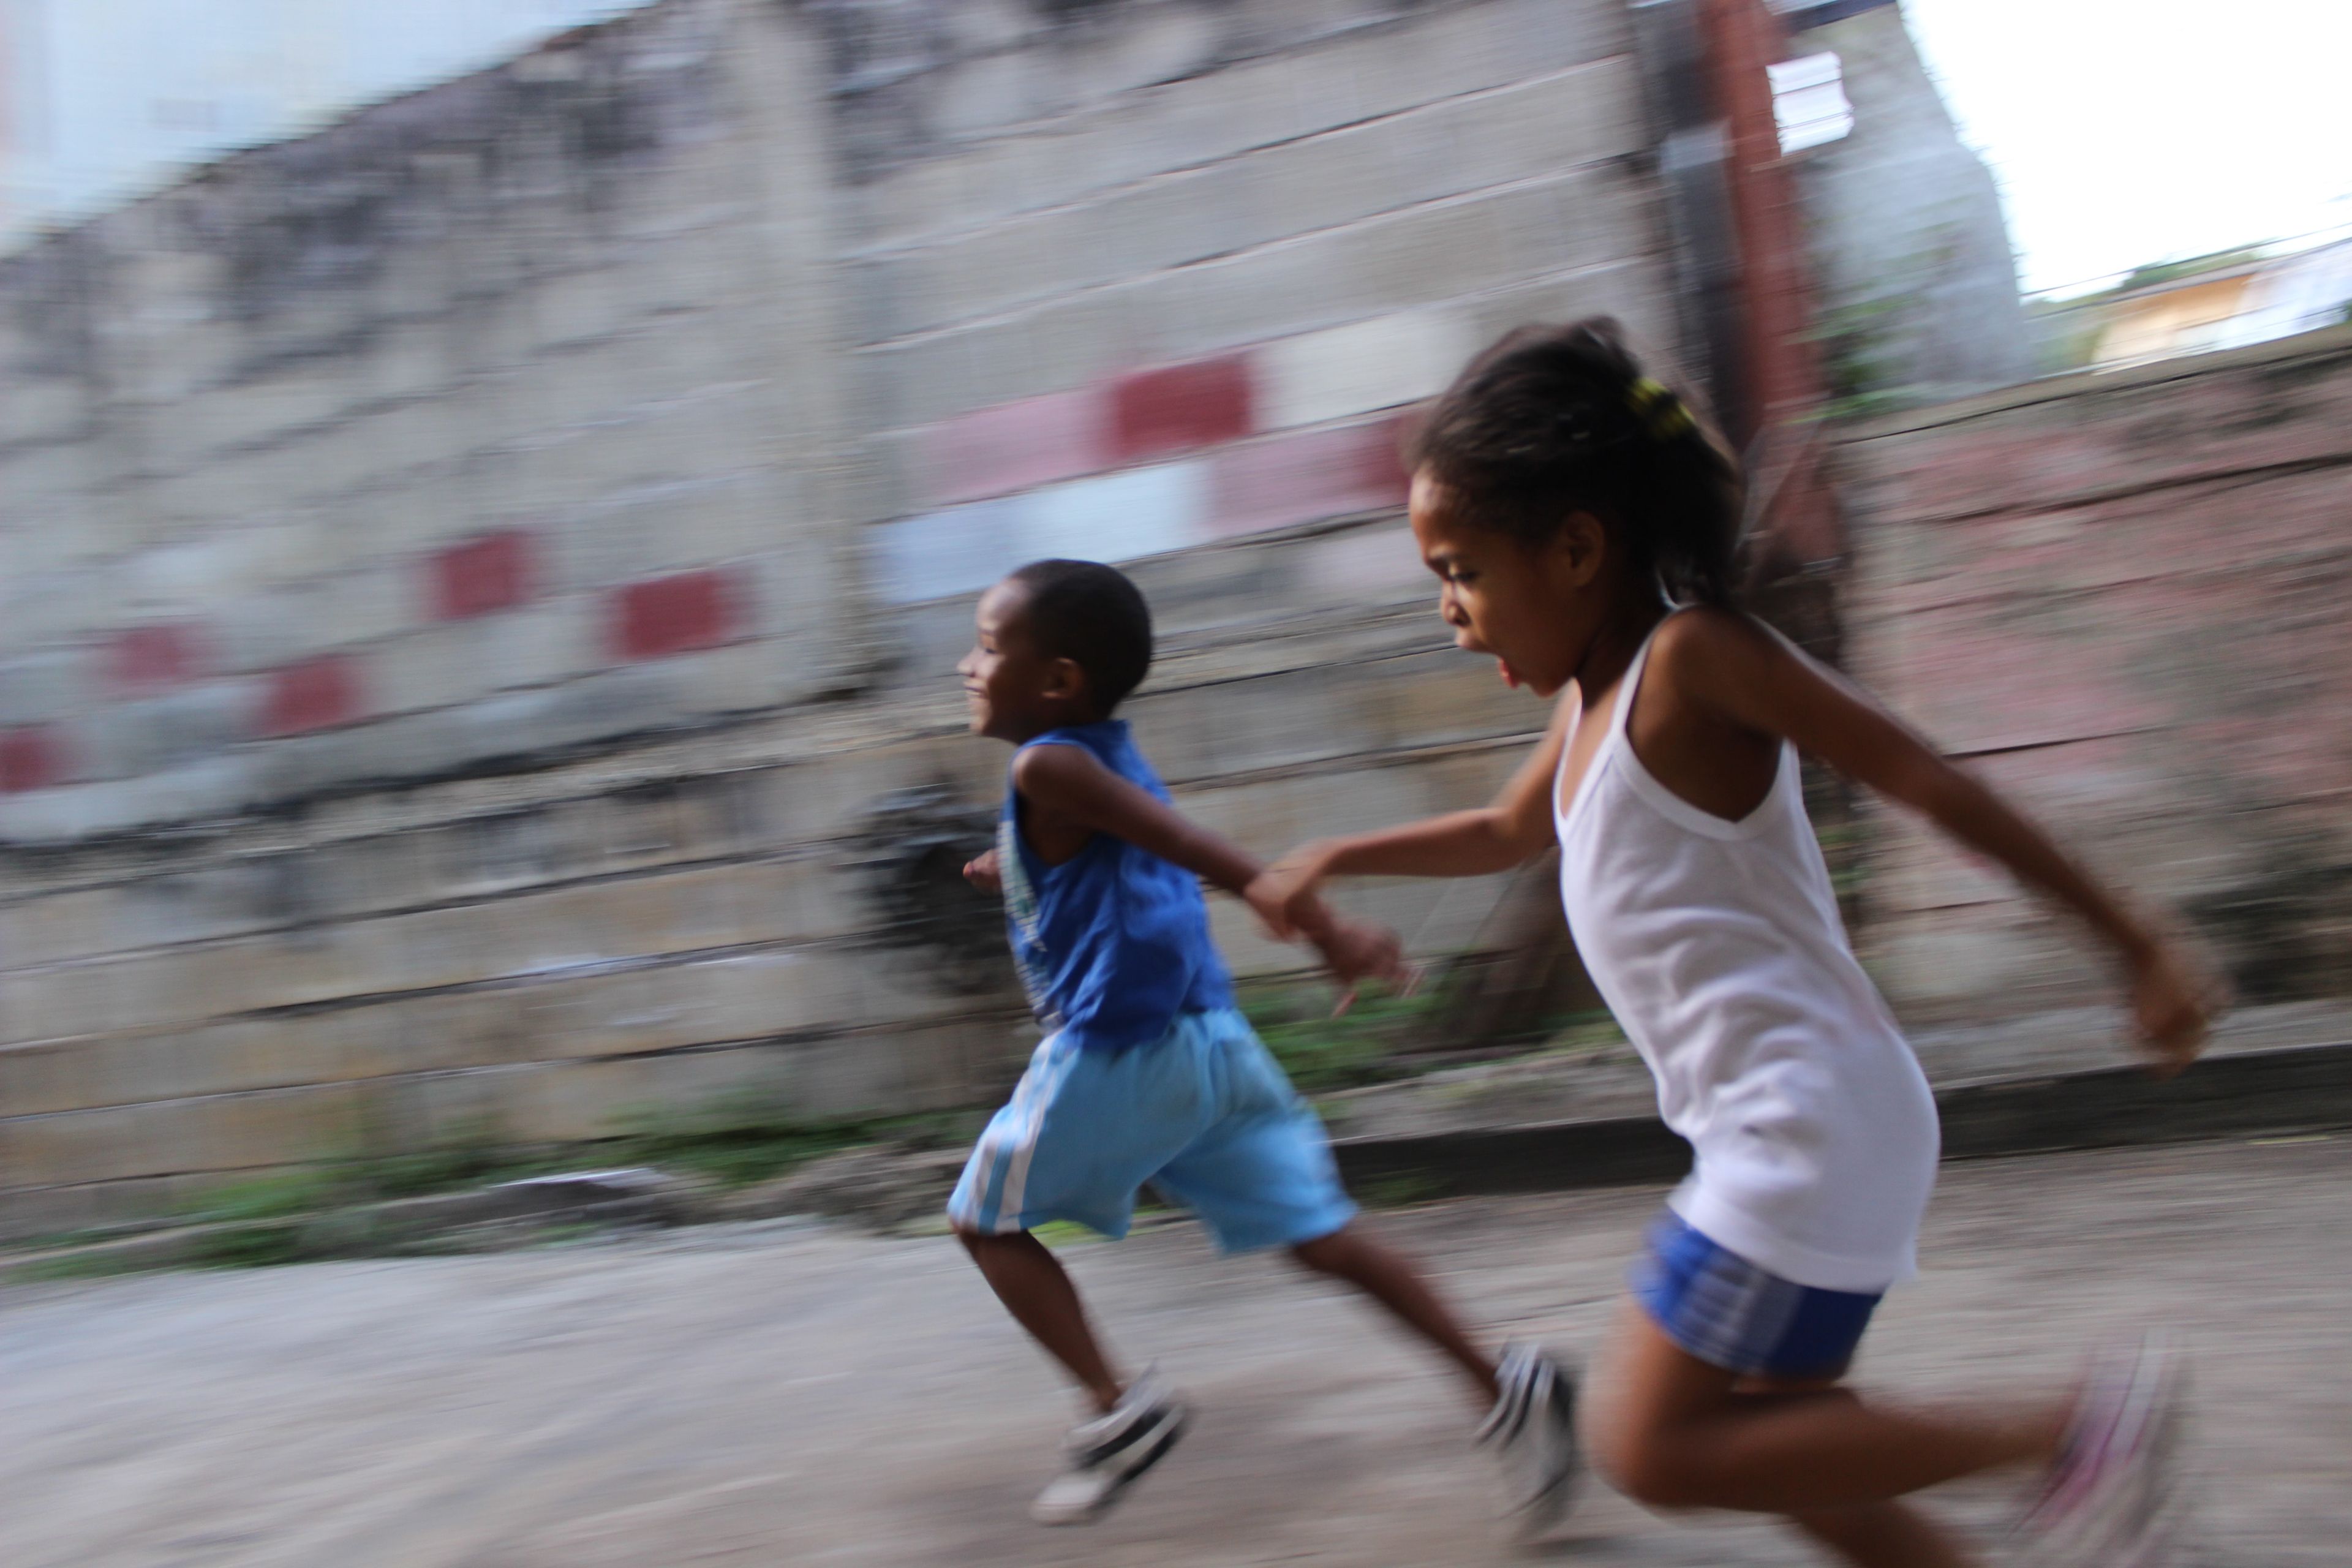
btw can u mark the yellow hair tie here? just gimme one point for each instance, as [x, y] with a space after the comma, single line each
[1660, 413]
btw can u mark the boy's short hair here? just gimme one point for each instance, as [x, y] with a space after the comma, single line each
[1091, 614]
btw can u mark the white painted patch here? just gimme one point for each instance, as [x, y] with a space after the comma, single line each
[1342, 372]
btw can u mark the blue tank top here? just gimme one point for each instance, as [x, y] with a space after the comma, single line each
[1113, 944]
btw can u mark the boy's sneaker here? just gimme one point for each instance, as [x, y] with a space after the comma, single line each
[1110, 1453]
[1532, 1430]
[2115, 1498]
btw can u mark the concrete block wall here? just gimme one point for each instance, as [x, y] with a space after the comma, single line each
[2122, 597]
[426, 544]
[470, 428]
[1184, 307]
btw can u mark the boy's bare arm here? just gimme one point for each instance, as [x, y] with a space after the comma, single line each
[1069, 782]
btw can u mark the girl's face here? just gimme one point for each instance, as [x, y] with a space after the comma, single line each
[1533, 607]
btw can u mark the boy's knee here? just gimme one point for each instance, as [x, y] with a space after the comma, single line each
[1330, 1254]
[977, 1242]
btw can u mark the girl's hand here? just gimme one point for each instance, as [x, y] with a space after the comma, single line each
[2172, 1007]
[982, 873]
[1285, 896]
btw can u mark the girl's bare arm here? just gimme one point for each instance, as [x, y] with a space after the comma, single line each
[1492, 837]
[1742, 672]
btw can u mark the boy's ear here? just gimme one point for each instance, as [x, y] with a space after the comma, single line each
[1066, 680]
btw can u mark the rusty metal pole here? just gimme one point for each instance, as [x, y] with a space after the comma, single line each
[1771, 417]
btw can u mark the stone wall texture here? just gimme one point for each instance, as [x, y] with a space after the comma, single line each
[2122, 597]
[473, 576]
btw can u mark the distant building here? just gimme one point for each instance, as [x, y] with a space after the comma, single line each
[2224, 301]
[2180, 316]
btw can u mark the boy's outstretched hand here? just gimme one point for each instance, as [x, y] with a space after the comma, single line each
[1285, 898]
[982, 873]
[1355, 951]
[2172, 1007]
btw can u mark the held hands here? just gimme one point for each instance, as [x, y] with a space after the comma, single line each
[982, 873]
[1285, 895]
[1285, 898]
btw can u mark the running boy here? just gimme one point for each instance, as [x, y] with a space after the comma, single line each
[1148, 1072]
[1581, 524]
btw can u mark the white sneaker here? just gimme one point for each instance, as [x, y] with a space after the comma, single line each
[2114, 1497]
[1110, 1453]
[1532, 1429]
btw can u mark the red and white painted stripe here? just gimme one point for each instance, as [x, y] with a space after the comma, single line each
[1286, 433]
[1161, 458]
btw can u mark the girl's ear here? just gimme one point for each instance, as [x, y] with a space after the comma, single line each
[1581, 549]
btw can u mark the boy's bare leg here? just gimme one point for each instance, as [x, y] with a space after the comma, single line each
[1351, 1254]
[1035, 1289]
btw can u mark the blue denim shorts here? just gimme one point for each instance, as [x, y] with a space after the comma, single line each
[1731, 1314]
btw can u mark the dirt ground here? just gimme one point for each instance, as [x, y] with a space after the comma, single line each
[784, 1394]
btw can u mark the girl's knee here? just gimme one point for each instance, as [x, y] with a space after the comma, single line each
[1634, 1449]
[1646, 1464]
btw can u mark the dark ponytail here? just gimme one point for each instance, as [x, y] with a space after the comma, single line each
[1552, 420]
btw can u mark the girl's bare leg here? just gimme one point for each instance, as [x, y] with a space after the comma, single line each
[1671, 1431]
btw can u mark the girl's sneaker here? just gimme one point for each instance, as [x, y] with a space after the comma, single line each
[1532, 1430]
[1110, 1453]
[2114, 1497]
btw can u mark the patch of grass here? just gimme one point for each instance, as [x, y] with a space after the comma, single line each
[1585, 1035]
[1322, 1053]
[569, 1232]
[48, 1271]
[250, 1243]
[277, 1195]
[1400, 1191]
[470, 1159]
[58, 1240]
[1059, 1233]
[467, 1162]
[743, 1140]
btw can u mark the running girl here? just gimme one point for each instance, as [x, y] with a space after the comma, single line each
[1582, 522]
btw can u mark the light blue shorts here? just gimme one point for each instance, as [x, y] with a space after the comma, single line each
[1203, 1112]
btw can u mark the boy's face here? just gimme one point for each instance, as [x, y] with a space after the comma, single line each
[1014, 692]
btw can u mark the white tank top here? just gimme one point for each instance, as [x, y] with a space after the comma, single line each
[1718, 946]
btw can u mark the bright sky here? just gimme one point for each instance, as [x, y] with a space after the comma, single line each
[2125, 131]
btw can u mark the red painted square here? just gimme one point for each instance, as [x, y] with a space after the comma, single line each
[1013, 446]
[1306, 478]
[148, 658]
[32, 756]
[1182, 407]
[312, 695]
[674, 614]
[489, 572]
